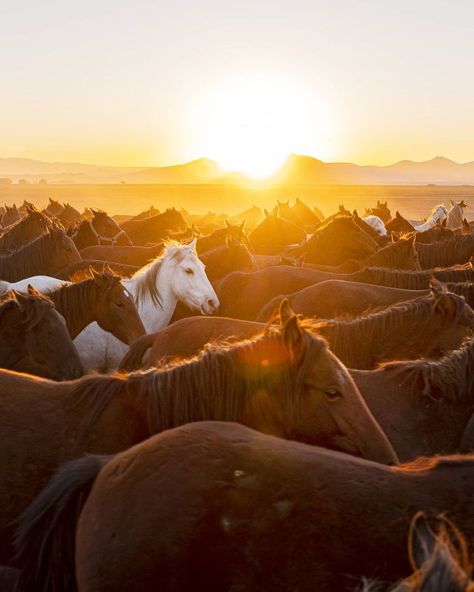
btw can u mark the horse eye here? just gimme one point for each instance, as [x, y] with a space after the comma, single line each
[332, 394]
[189, 271]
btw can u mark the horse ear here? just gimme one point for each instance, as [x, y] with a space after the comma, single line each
[444, 222]
[266, 213]
[32, 291]
[242, 226]
[355, 214]
[452, 202]
[292, 334]
[421, 541]
[397, 215]
[192, 244]
[444, 302]
[227, 225]
[94, 275]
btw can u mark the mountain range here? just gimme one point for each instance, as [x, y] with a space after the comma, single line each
[297, 170]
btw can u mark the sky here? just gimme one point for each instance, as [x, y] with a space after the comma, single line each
[147, 82]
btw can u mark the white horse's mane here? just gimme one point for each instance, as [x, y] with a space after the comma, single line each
[145, 278]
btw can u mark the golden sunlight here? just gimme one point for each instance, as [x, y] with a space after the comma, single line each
[251, 123]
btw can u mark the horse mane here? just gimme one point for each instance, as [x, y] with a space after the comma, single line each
[428, 463]
[145, 278]
[393, 255]
[449, 377]
[19, 225]
[75, 297]
[37, 253]
[412, 280]
[446, 252]
[209, 386]
[357, 336]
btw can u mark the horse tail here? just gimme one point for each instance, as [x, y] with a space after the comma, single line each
[4, 286]
[45, 538]
[133, 359]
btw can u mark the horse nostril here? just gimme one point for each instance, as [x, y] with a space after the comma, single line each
[212, 303]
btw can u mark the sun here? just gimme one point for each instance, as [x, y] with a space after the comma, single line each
[251, 122]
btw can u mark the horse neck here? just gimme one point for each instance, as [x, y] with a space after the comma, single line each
[77, 303]
[155, 317]
[211, 387]
[360, 341]
[25, 261]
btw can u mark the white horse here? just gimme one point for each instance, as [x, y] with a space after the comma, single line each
[42, 283]
[456, 214]
[377, 224]
[439, 212]
[176, 275]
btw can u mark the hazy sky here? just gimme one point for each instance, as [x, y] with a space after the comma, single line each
[152, 82]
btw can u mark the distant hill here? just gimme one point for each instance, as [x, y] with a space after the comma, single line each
[297, 170]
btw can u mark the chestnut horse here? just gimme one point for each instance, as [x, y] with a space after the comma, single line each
[423, 406]
[408, 330]
[274, 234]
[283, 382]
[217, 506]
[34, 339]
[154, 229]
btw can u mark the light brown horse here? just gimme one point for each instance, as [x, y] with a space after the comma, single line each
[282, 382]
[100, 230]
[216, 506]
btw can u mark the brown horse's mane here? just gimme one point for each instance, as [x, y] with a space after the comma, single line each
[450, 377]
[412, 280]
[348, 336]
[37, 253]
[428, 463]
[443, 253]
[146, 276]
[211, 385]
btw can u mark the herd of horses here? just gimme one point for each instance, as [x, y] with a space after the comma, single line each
[271, 402]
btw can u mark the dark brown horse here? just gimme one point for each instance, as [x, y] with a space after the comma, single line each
[423, 406]
[419, 328]
[34, 339]
[438, 232]
[216, 506]
[103, 299]
[155, 229]
[43, 256]
[274, 234]
[399, 225]
[100, 230]
[339, 240]
[25, 230]
[282, 382]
